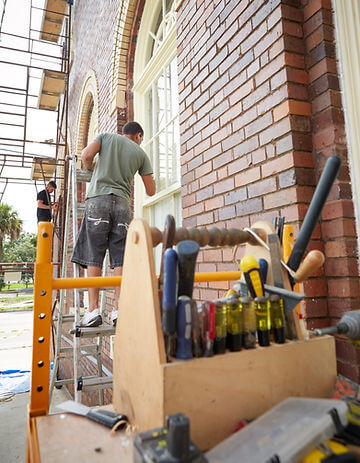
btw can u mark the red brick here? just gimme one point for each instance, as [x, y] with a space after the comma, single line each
[341, 267]
[315, 288]
[343, 287]
[338, 228]
[276, 165]
[294, 60]
[280, 198]
[297, 75]
[247, 176]
[225, 185]
[292, 28]
[262, 187]
[341, 247]
[315, 5]
[214, 203]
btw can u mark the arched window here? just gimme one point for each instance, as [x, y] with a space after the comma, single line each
[157, 109]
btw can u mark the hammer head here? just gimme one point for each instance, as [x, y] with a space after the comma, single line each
[290, 298]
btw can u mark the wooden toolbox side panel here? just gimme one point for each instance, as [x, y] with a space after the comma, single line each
[216, 393]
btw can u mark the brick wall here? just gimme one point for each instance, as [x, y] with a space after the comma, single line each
[260, 112]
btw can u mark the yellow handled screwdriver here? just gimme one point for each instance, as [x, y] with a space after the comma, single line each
[251, 270]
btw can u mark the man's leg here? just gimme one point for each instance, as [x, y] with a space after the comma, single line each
[93, 271]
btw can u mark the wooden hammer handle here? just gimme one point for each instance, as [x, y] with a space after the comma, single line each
[210, 236]
[311, 263]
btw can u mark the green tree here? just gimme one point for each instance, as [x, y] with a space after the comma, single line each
[10, 225]
[21, 250]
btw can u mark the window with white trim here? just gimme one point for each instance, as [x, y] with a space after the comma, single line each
[157, 109]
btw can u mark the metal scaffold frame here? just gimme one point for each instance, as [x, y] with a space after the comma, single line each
[40, 61]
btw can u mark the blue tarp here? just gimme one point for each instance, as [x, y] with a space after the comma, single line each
[15, 381]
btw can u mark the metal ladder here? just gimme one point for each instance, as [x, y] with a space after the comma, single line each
[74, 347]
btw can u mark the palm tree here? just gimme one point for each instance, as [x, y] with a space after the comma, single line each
[10, 225]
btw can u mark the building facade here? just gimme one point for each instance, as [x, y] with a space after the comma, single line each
[242, 102]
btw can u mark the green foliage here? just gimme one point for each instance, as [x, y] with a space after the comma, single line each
[10, 225]
[21, 250]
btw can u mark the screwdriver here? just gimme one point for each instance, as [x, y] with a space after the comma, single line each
[220, 327]
[277, 317]
[235, 325]
[196, 335]
[249, 317]
[184, 328]
[251, 269]
[169, 299]
[263, 320]
[208, 327]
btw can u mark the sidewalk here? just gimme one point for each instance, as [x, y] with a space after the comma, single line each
[15, 354]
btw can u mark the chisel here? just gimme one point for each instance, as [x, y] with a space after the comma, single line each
[321, 193]
[187, 253]
[105, 417]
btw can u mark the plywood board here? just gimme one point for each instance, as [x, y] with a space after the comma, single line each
[66, 437]
[43, 169]
[139, 345]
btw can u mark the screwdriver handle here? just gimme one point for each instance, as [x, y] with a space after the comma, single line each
[187, 253]
[210, 236]
[184, 328]
[263, 267]
[169, 297]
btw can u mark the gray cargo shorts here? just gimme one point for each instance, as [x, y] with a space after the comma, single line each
[104, 226]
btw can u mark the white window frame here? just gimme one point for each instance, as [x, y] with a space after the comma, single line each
[145, 76]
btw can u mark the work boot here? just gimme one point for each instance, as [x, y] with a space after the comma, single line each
[114, 314]
[91, 319]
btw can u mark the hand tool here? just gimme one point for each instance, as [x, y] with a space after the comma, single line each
[220, 327]
[105, 417]
[235, 323]
[349, 325]
[187, 252]
[184, 328]
[263, 265]
[311, 263]
[210, 236]
[280, 230]
[170, 444]
[321, 193]
[277, 317]
[248, 311]
[208, 327]
[169, 300]
[263, 320]
[290, 298]
[196, 333]
[277, 271]
[168, 241]
[251, 270]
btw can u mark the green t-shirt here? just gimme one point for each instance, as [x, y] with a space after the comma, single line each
[118, 161]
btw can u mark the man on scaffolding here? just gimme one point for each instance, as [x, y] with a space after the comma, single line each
[44, 204]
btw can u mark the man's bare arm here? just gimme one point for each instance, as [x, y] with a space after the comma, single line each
[88, 154]
[41, 205]
[149, 184]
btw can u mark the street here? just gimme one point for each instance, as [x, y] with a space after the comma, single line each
[15, 340]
